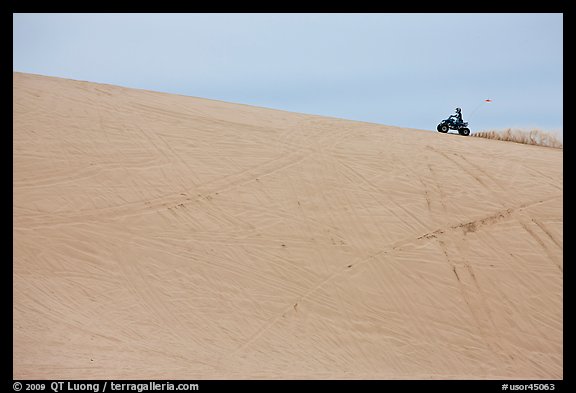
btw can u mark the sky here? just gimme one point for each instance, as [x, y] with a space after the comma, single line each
[408, 70]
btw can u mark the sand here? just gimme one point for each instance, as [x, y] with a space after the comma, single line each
[170, 237]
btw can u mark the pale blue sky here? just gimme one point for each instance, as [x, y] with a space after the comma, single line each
[408, 70]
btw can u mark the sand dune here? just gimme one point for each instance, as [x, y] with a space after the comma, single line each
[163, 236]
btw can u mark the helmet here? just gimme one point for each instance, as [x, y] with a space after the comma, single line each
[458, 110]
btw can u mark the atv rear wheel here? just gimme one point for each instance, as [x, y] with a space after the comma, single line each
[464, 131]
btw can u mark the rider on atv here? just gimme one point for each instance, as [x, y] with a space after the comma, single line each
[454, 122]
[457, 116]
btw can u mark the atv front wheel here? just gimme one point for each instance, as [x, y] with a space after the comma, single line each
[442, 128]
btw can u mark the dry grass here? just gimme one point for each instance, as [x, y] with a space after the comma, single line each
[532, 137]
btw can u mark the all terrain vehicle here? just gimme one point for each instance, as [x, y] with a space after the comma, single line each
[452, 123]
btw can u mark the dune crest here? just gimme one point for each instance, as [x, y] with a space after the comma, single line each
[163, 236]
